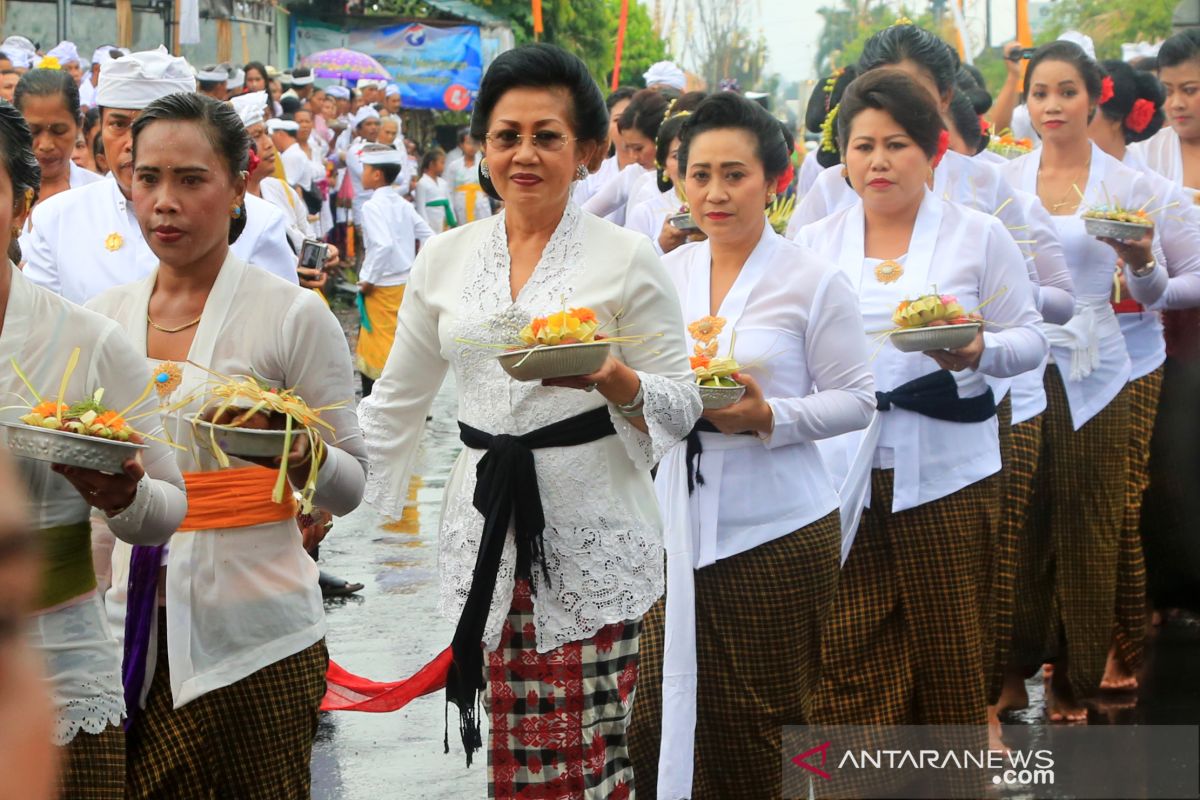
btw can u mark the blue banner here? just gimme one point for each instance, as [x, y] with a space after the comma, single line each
[437, 68]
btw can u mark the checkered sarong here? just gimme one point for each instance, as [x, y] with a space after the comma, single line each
[1015, 564]
[758, 634]
[251, 740]
[93, 766]
[1075, 514]
[904, 643]
[1002, 566]
[558, 719]
[1130, 628]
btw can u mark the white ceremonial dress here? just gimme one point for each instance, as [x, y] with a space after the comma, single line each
[87, 240]
[1163, 153]
[82, 656]
[810, 170]
[603, 536]
[297, 166]
[799, 334]
[963, 253]
[610, 199]
[1089, 349]
[587, 187]
[283, 197]
[241, 599]
[391, 230]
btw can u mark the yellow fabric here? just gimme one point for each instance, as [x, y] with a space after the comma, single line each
[67, 570]
[471, 190]
[382, 305]
[233, 498]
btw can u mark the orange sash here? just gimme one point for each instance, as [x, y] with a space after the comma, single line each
[233, 498]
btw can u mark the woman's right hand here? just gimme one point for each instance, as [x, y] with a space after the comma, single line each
[671, 237]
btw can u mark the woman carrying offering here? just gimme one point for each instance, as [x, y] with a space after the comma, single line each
[746, 500]
[141, 505]
[905, 642]
[562, 597]
[1133, 113]
[1073, 529]
[230, 673]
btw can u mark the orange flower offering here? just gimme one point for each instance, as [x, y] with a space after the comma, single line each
[707, 328]
[711, 370]
[571, 326]
[930, 310]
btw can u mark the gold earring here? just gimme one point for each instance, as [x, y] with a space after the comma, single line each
[771, 198]
[16, 232]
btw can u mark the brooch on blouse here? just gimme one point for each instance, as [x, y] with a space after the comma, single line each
[113, 242]
[888, 271]
[167, 378]
[705, 331]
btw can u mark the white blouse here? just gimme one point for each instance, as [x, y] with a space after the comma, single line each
[799, 334]
[428, 190]
[960, 252]
[1163, 153]
[1089, 349]
[610, 199]
[1179, 224]
[648, 217]
[603, 538]
[391, 230]
[83, 658]
[241, 599]
[283, 197]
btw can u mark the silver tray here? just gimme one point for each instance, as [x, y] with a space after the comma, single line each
[1111, 229]
[940, 337]
[721, 396]
[683, 222]
[559, 361]
[71, 449]
[242, 442]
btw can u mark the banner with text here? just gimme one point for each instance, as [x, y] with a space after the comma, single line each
[437, 68]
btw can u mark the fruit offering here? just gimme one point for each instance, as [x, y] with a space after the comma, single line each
[1117, 214]
[930, 310]
[570, 326]
[714, 371]
[1009, 146]
[87, 418]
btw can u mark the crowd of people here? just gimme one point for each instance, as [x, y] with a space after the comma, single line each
[868, 536]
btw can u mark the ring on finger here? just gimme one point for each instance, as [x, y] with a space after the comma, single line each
[591, 387]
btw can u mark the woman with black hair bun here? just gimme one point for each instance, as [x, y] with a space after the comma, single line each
[1133, 113]
[651, 215]
[820, 106]
[143, 504]
[651, 185]
[1076, 512]
[759, 508]
[928, 533]
[215, 714]
[572, 589]
[639, 124]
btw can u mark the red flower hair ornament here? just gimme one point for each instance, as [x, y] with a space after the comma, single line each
[943, 146]
[785, 180]
[1106, 90]
[1140, 115]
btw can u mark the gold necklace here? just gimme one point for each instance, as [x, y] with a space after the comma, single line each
[158, 327]
[1074, 187]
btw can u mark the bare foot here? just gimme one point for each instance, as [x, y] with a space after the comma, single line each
[1013, 696]
[1047, 672]
[1061, 705]
[995, 733]
[1117, 676]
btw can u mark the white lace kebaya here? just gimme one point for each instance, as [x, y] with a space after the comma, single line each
[603, 537]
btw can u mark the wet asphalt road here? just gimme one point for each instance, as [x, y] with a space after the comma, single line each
[391, 629]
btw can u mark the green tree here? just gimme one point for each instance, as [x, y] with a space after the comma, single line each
[1111, 24]
[578, 26]
[643, 46]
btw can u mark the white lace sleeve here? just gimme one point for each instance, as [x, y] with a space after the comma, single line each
[670, 408]
[669, 393]
[393, 416]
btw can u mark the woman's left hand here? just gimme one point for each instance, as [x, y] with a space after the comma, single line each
[112, 494]
[615, 381]
[312, 278]
[751, 413]
[966, 357]
[1137, 254]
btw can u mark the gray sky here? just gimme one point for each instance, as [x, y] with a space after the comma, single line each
[791, 28]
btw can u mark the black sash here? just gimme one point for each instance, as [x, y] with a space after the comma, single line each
[506, 489]
[936, 395]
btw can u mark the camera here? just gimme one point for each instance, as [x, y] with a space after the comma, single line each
[313, 254]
